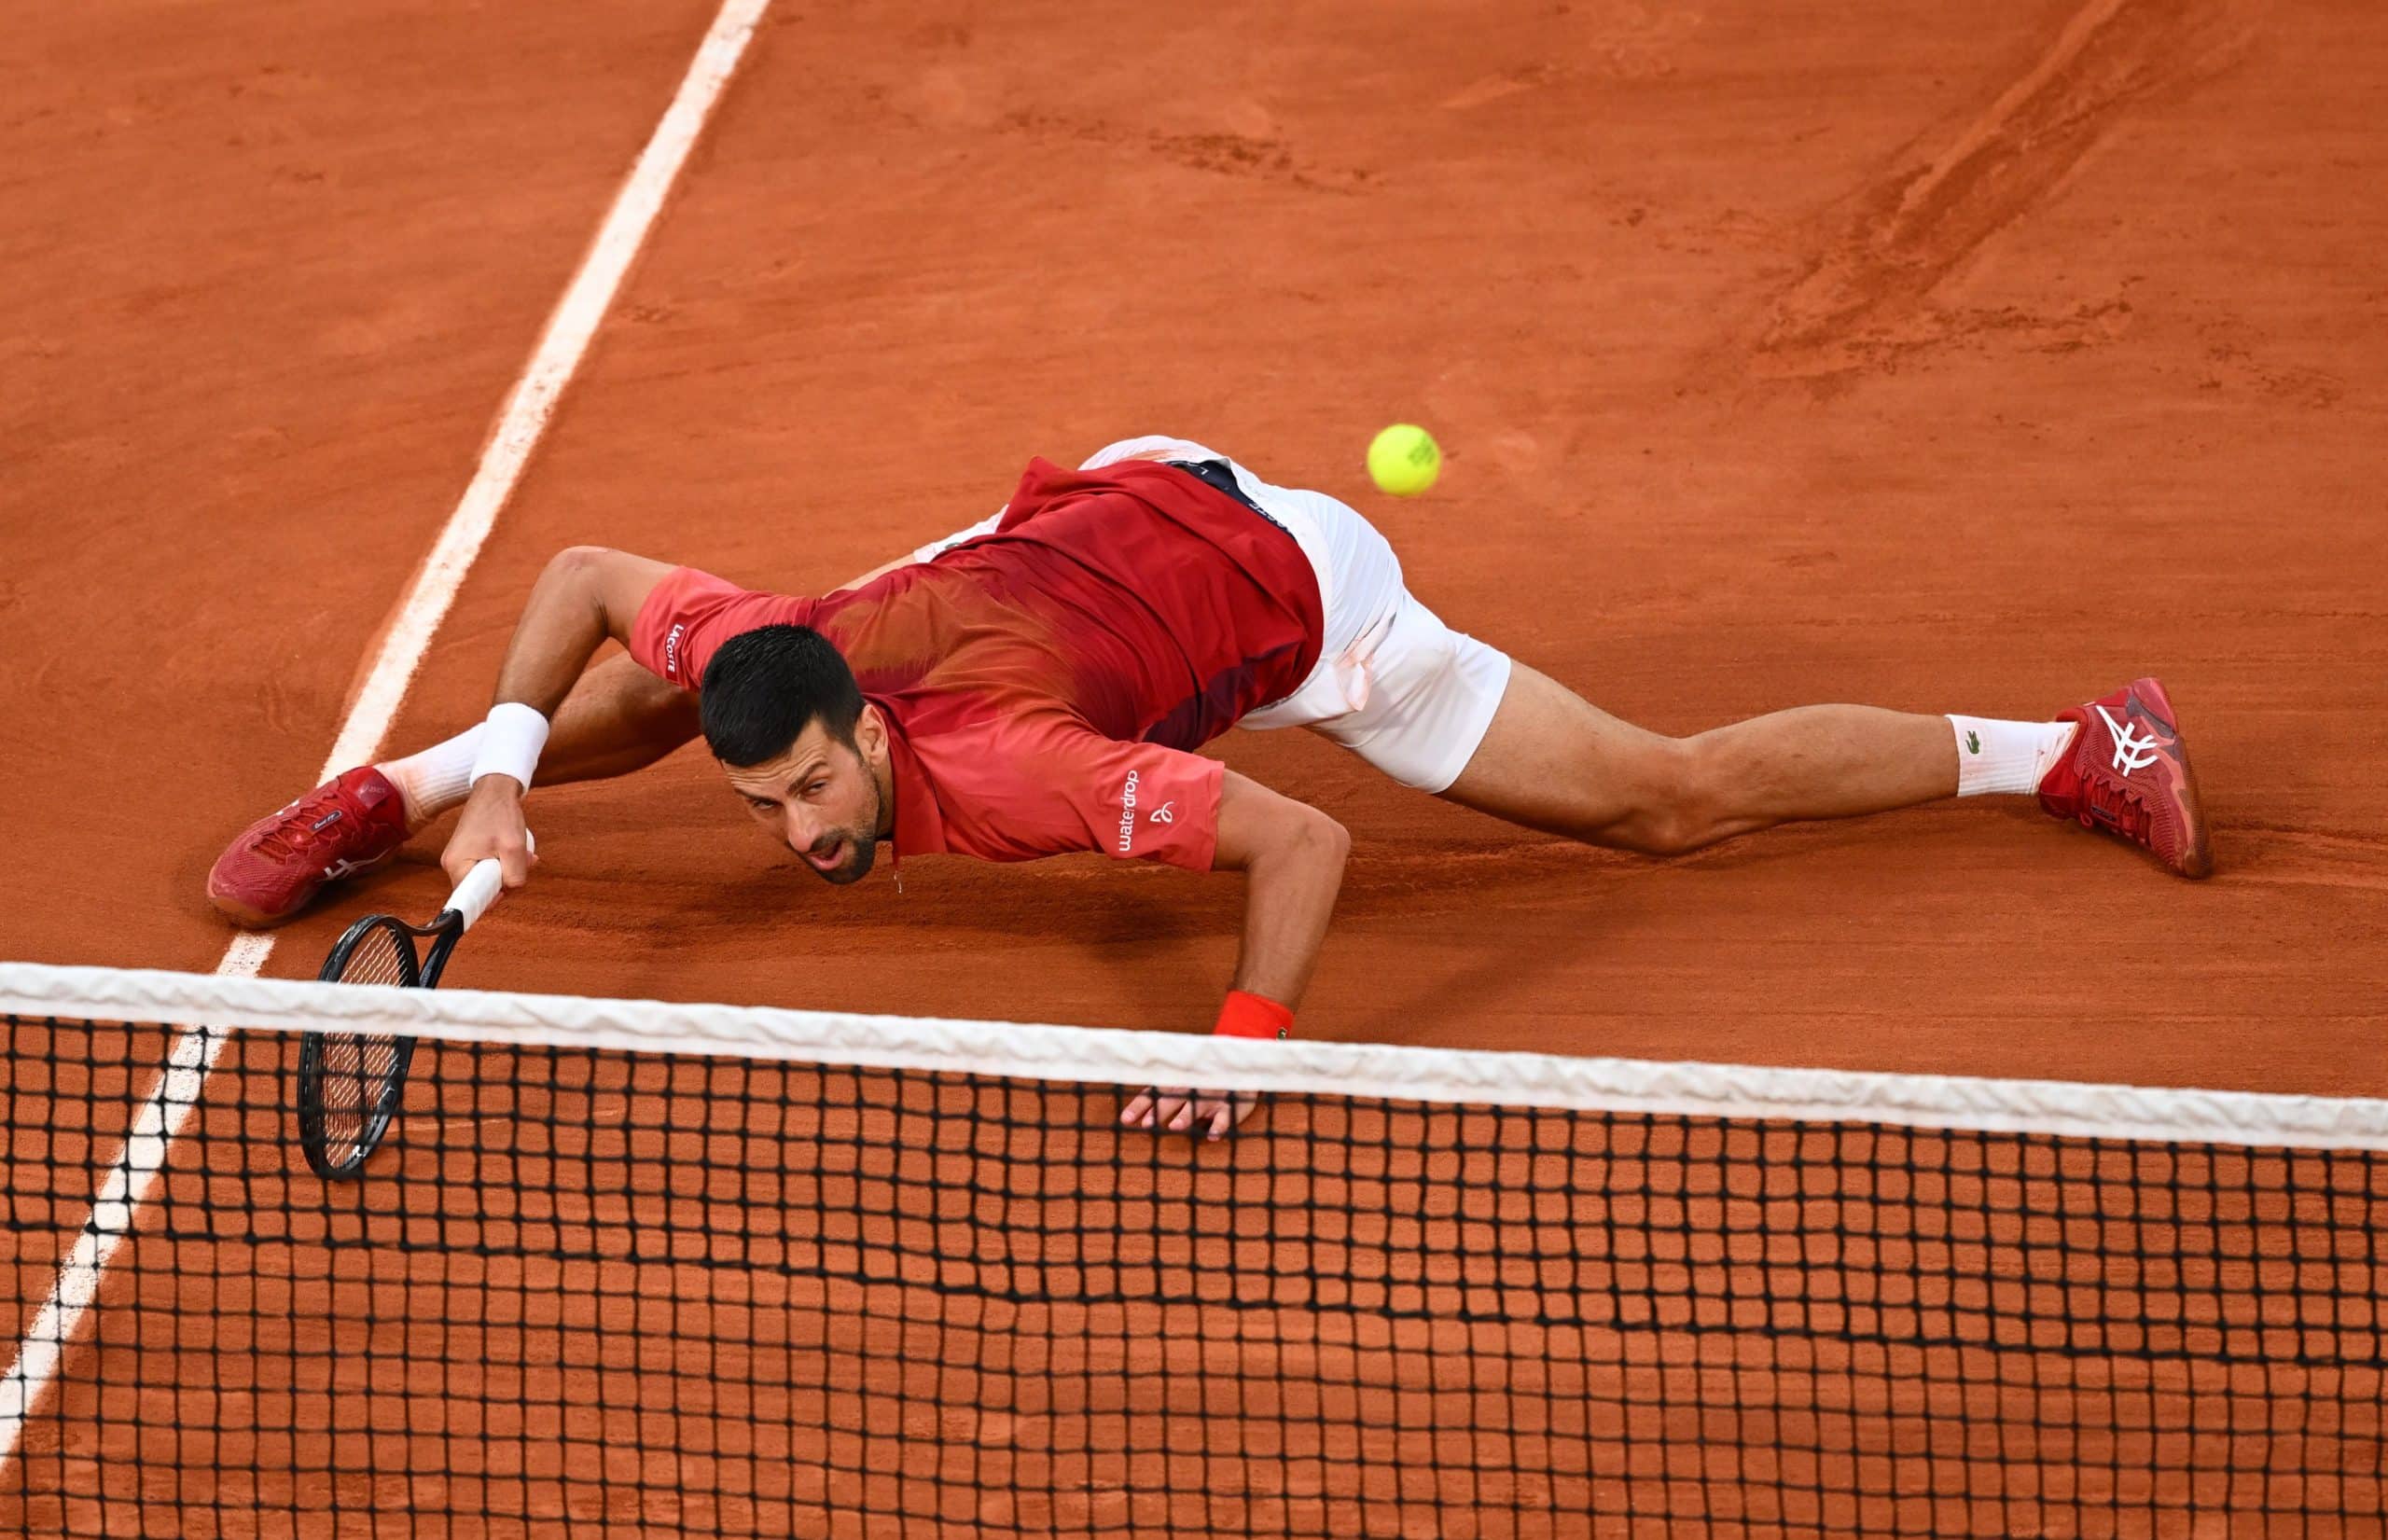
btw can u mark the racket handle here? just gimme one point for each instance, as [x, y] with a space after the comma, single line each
[481, 885]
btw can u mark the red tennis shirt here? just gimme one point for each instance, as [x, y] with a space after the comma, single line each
[1046, 682]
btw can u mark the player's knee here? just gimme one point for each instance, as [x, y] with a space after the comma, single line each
[575, 559]
[1323, 833]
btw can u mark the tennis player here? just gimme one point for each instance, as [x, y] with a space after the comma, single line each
[1038, 683]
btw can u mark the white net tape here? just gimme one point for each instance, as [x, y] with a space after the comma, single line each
[1113, 1057]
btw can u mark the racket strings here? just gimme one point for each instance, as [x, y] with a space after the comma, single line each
[357, 1067]
[380, 956]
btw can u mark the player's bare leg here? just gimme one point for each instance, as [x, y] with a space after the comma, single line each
[617, 719]
[1553, 761]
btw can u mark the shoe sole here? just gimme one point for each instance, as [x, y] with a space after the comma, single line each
[2196, 862]
[249, 918]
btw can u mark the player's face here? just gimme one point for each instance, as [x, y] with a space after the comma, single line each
[822, 799]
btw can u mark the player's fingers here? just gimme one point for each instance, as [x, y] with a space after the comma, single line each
[456, 861]
[1152, 1109]
[511, 845]
[1226, 1112]
[1197, 1112]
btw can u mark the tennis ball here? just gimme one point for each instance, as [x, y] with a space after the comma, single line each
[1404, 460]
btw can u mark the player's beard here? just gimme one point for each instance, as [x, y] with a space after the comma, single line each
[862, 843]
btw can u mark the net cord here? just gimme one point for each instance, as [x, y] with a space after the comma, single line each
[1111, 1056]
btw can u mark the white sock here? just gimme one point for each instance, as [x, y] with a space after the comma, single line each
[437, 779]
[2013, 757]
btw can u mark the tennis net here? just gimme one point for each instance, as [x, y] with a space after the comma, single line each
[625, 1268]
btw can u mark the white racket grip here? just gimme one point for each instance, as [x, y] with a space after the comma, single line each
[481, 885]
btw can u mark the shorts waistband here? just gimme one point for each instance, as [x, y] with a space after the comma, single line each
[1219, 477]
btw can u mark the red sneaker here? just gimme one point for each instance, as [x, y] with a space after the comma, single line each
[2128, 774]
[278, 865]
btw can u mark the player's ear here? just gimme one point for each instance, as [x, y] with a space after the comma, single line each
[870, 734]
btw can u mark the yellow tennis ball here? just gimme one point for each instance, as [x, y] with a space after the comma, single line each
[1404, 460]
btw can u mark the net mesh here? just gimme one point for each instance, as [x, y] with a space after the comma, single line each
[355, 1070]
[587, 1289]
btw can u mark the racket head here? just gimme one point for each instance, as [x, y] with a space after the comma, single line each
[350, 1083]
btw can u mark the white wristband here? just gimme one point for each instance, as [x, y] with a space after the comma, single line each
[511, 739]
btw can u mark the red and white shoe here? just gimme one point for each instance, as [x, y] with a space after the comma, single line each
[2128, 774]
[279, 863]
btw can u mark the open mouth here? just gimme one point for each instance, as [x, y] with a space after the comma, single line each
[827, 860]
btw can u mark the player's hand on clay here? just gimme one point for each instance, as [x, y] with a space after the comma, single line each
[1181, 1109]
[490, 826]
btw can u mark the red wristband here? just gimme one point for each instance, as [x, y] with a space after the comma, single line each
[1252, 1016]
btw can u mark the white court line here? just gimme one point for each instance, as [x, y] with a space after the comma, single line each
[521, 426]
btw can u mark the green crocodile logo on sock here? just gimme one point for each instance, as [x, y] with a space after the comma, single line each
[1973, 742]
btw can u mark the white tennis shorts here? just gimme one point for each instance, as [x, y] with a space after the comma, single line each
[1394, 683]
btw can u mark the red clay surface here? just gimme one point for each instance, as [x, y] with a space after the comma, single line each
[1781, 355]
[1948, 359]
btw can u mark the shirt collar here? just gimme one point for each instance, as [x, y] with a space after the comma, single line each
[920, 823]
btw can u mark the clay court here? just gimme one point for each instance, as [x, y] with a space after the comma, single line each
[1969, 358]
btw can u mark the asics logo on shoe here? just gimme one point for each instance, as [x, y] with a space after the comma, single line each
[339, 869]
[2133, 751]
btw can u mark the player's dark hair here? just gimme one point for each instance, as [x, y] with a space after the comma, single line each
[765, 686]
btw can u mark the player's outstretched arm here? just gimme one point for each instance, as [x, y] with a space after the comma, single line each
[586, 595]
[1292, 856]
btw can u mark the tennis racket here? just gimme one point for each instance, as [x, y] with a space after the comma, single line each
[350, 1083]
